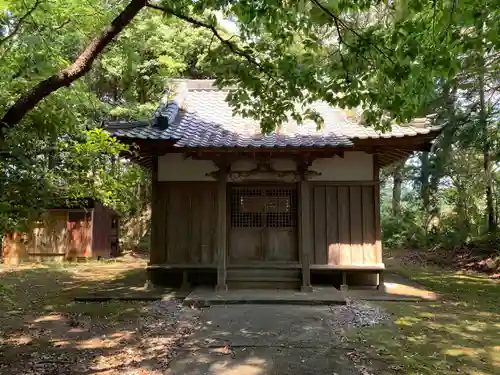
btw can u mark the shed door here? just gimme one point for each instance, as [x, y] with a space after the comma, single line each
[263, 224]
[80, 234]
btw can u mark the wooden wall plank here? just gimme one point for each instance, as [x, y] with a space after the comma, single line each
[98, 230]
[167, 226]
[319, 214]
[213, 222]
[172, 219]
[101, 230]
[194, 224]
[50, 235]
[332, 225]
[59, 239]
[109, 235]
[183, 208]
[356, 222]
[368, 204]
[206, 212]
[344, 225]
[189, 222]
[221, 233]
[163, 206]
[80, 231]
[154, 249]
[378, 241]
[305, 232]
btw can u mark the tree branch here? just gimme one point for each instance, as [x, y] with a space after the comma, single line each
[232, 47]
[77, 69]
[64, 23]
[340, 51]
[20, 22]
[338, 20]
[453, 5]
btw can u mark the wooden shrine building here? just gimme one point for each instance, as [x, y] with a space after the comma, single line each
[73, 230]
[234, 208]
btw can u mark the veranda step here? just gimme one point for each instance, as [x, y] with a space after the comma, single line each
[270, 279]
[273, 273]
[263, 278]
[262, 284]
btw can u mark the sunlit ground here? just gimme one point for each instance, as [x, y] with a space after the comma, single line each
[460, 333]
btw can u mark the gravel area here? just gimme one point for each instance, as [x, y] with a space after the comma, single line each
[161, 330]
[357, 314]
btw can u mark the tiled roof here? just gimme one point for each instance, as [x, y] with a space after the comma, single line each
[199, 116]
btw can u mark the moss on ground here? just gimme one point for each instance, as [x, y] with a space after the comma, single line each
[460, 333]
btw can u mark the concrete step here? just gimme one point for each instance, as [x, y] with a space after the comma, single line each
[203, 297]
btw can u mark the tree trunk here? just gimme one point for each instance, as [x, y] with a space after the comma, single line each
[490, 207]
[483, 125]
[80, 67]
[425, 189]
[492, 225]
[444, 149]
[397, 176]
[462, 211]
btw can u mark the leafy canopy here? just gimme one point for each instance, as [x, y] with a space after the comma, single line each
[394, 59]
[385, 57]
[58, 153]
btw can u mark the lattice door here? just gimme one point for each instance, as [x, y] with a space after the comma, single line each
[263, 224]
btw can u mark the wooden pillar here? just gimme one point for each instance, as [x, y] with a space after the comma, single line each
[343, 286]
[155, 255]
[221, 232]
[378, 242]
[185, 286]
[305, 233]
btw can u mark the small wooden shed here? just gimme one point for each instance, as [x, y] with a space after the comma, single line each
[232, 207]
[84, 229]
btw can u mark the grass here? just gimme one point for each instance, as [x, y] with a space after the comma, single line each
[35, 290]
[460, 333]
